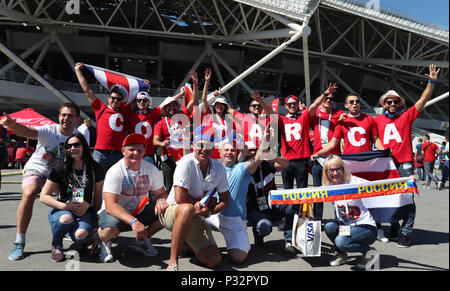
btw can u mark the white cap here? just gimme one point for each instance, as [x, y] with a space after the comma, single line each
[144, 95]
[220, 99]
[167, 101]
[391, 93]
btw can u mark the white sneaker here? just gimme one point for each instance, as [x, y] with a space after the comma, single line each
[106, 255]
[440, 185]
[381, 237]
[145, 247]
[341, 258]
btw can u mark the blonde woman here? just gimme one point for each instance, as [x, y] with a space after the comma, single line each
[354, 230]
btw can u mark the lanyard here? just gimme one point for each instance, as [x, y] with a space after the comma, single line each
[324, 139]
[261, 181]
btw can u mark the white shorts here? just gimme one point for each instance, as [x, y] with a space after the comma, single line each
[233, 229]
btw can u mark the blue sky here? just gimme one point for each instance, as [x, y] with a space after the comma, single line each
[433, 11]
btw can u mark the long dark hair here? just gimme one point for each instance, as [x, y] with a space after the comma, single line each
[86, 157]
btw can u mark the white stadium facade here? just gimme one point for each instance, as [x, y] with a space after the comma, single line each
[278, 47]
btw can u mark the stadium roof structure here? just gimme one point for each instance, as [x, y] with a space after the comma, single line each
[358, 44]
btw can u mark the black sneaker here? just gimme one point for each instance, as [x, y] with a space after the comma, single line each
[289, 249]
[259, 241]
[404, 241]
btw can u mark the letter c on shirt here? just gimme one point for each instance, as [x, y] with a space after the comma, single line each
[114, 124]
[292, 129]
[143, 128]
[352, 138]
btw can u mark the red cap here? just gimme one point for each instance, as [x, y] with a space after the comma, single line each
[289, 98]
[134, 138]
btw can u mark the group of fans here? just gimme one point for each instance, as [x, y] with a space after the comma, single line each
[122, 170]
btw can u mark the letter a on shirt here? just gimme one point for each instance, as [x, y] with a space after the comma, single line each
[391, 133]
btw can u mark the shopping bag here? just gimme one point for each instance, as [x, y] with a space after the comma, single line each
[306, 233]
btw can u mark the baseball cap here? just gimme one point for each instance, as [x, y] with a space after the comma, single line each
[204, 132]
[291, 98]
[134, 138]
[142, 95]
[391, 93]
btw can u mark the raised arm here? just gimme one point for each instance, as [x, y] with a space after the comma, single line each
[432, 76]
[257, 97]
[205, 104]
[319, 100]
[18, 128]
[84, 83]
[193, 100]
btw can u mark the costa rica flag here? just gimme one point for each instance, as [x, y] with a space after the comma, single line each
[129, 85]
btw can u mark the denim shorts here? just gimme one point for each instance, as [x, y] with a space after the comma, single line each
[146, 217]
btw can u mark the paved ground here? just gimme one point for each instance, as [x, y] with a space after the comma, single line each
[430, 251]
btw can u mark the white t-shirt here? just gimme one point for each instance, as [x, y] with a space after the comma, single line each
[132, 186]
[188, 175]
[49, 150]
[354, 211]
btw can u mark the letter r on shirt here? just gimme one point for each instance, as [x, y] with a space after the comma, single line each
[293, 129]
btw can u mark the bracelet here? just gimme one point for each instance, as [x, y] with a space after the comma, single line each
[433, 82]
[133, 221]
[161, 199]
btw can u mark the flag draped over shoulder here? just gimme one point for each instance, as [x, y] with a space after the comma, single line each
[129, 85]
[378, 165]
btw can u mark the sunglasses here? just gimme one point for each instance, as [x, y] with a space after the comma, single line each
[255, 105]
[204, 145]
[357, 101]
[115, 99]
[142, 100]
[390, 102]
[291, 104]
[330, 99]
[70, 145]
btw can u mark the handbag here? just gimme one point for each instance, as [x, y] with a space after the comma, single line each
[306, 233]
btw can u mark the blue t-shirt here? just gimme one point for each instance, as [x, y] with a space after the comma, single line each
[238, 179]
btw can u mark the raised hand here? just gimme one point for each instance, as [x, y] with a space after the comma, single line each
[331, 88]
[207, 74]
[193, 76]
[433, 75]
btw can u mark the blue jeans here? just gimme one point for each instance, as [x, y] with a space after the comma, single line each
[360, 239]
[59, 230]
[316, 172]
[105, 159]
[260, 221]
[445, 172]
[150, 158]
[406, 170]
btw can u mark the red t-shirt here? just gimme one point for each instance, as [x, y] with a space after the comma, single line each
[322, 121]
[395, 133]
[357, 133]
[144, 124]
[110, 126]
[429, 154]
[168, 129]
[295, 136]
